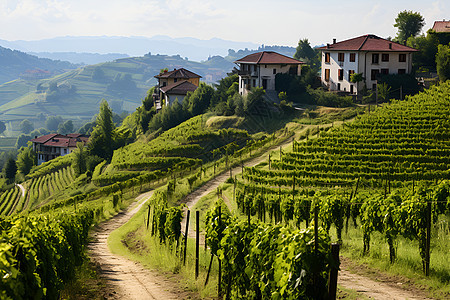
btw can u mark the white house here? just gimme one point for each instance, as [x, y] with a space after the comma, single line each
[259, 70]
[369, 55]
[50, 146]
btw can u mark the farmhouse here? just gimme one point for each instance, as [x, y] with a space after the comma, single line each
[259, 70]
[50, 146]
[368, 55]
[174, 85]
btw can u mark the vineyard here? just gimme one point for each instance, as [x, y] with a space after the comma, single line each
[387, 171]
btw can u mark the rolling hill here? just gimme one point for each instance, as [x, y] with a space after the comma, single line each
[76, 94]
[15, 64]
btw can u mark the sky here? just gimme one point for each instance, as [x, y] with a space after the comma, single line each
[269, 22]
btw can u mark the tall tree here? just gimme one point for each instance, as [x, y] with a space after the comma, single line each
[409, 24]
[52, 122]
[443, 62]
[10, 169]
[79, 159]
[26, 126]
[307, 54]
[101, 142]
[2, 127]
[26, 159]
[66, 127]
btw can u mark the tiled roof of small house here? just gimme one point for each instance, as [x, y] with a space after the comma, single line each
[179, 88]
[268, 58]
[368, 42]
[59, 140]
[441, 26]
[178, 73]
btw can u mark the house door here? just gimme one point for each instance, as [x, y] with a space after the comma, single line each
[351, 88]
[264, 83]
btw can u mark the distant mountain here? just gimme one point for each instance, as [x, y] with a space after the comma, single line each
[80, 58]
[194, 49]
[15, 64]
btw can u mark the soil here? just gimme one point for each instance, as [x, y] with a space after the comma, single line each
[124, 278]
[376, 285]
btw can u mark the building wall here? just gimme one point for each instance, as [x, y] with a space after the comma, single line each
[169, 81]
[45, 153]
[259, 74]
[363, 64]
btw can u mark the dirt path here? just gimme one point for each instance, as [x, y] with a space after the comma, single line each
[375, 285]
[21, 188]
[124, 278]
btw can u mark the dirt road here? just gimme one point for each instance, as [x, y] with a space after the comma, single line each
[124, 278]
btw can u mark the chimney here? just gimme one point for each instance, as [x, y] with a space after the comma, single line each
[334, 41]
[328, 46]
[390, 45]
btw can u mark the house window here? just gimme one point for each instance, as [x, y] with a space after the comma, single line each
[327, 57]
[352, 57]
[402, 57]
[385, 57]
[384, 71]
[175, 80]
[274, 71]
[164, 84]
[350, 73]
[374, 86]
[327, 74]
[375, 58]
[341, 74]
[401, 71]
[341, 56]
[338, 86]
[65, 151]
[254, 82]
[374, 74]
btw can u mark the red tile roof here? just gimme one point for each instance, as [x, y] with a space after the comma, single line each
[178, 73]
[59, 140]
[268, 58]
[179, 88]
[441, 26]
[368, 42]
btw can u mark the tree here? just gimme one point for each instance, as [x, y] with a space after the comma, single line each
[26, 126]
[22, 140]
[383, 91]
[53, 122]
[427, 45]
[26, 159]
[409, 24]
[306, 53]
[443, 62]
[66, 127]
[101, 142]
[79, 159]
[10, 169]
[2, 127]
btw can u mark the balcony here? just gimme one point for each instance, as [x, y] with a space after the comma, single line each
[246, 73]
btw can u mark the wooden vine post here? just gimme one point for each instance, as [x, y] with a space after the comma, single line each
[427, 246]
[197, 241]
[186, 236]
[219, 288]
[333, 277]
[148, 216]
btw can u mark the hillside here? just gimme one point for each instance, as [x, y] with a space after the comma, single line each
[15, 64]
[123, 83]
